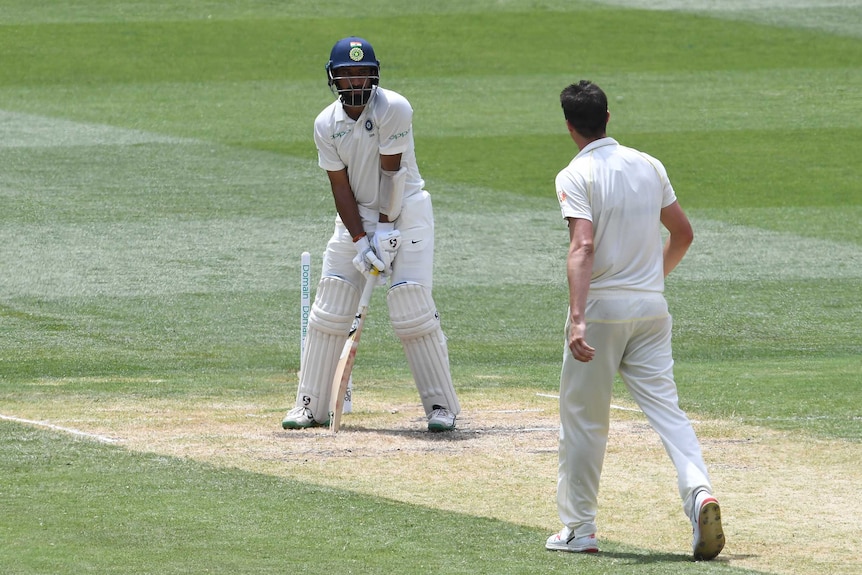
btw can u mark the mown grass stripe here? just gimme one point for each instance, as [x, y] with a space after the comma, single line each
[37, 131]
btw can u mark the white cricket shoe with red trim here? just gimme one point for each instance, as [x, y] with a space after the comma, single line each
[566, 541]
[708, 540]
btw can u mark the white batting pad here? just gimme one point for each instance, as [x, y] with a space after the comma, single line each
[328, 326]
[415, 322]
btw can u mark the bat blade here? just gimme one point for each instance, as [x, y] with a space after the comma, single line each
[348, 357]
[342, 373]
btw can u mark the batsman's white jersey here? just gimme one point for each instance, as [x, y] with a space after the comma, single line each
[384, 128]
[622, 192]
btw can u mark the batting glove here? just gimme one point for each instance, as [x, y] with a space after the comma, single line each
[386, 241]
[366, 258]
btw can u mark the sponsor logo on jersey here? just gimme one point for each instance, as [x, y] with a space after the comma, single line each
[399, 135]
[341, 134]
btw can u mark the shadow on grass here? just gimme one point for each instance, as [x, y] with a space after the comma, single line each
[458, 434]
[648, 558]
[644, 558]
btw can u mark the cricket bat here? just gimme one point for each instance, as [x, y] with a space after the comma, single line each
[348, 357]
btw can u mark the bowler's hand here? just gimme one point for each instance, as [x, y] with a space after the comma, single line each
[581, 350]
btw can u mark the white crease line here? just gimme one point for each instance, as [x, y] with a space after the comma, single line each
[509, 430]
[511, 411]
[77, 432]
[619, 407]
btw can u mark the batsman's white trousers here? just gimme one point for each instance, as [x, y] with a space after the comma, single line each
[411, 307]
[632, 336]
[415, 259]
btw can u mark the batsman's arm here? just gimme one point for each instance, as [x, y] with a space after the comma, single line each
[392, 179]
[345, 202]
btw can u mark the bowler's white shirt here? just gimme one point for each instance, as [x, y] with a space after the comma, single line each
[384, 128]
[622, 192]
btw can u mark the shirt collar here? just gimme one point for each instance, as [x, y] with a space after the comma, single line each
[601, 142]
[341, 116]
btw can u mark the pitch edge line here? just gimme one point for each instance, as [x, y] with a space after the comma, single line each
[100, 438]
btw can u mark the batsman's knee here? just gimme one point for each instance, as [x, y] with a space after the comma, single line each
[412, 310]
[334, 306]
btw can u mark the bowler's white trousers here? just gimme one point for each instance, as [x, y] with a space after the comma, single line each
[631, 334]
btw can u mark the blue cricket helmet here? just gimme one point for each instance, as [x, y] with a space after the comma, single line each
[353, 52]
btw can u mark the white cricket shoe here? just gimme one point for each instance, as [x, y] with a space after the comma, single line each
[441, 419]
[300, 418]
[566, 541]
[708, 540]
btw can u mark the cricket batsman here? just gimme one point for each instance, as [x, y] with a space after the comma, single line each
[384, 221]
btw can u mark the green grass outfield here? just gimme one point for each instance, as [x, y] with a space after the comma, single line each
[158, 182]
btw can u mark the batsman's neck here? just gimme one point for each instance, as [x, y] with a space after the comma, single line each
[353, 112]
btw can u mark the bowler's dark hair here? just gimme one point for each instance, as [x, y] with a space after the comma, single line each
[585, 106]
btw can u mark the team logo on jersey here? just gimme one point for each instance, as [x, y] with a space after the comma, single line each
[356, 54]
[369, 125]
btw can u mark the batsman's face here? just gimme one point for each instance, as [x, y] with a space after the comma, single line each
[354, 78]
[355, 84]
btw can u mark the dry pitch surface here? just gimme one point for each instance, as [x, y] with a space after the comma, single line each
[789, 502]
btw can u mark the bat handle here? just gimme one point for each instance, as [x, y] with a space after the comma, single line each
[370, 281]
